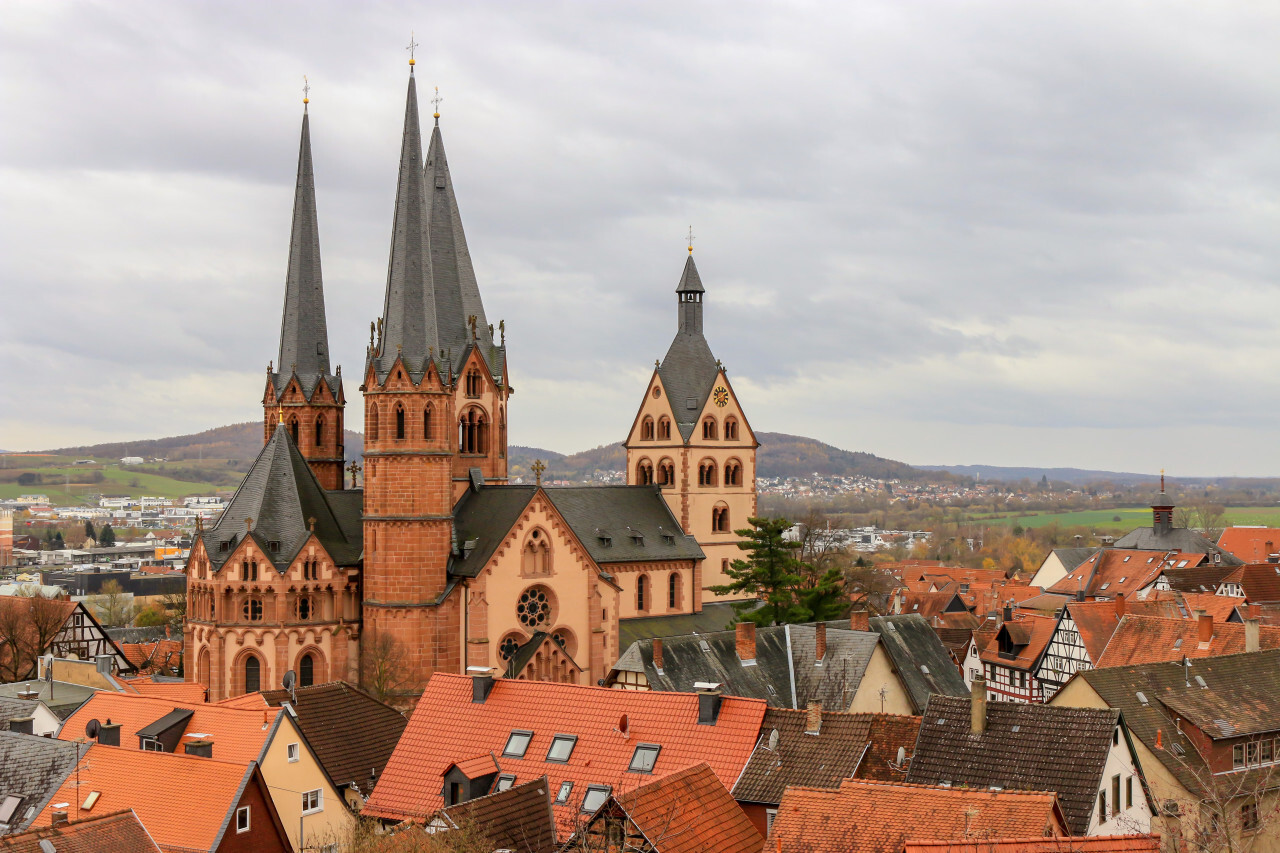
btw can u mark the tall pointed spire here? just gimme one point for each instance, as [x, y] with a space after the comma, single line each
[409, 312]
[689, 368]
[304, 335]
[456, 290]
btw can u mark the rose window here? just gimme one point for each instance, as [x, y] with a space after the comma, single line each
[508, 648]
[534, 609]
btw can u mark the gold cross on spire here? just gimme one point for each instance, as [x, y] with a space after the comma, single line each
[413, 45]
[435, 102]
[538, 468]
[691, 239]
[354, 469]
[306, 90]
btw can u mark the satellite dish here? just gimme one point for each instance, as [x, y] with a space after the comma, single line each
[773, 739]
[624, 726]
[902, 755]
[92, 728]
[290, 679]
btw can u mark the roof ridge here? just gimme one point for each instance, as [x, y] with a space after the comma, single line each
[555, 685]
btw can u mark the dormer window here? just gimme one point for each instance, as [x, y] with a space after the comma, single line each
[274, 545]
[224, 546]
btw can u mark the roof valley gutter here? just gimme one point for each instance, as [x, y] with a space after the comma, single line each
[791, 666]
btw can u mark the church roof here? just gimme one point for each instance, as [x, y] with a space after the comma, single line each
[281, 494]
[689, 369]
[304, 336]
[1176, 539]
[616, 524]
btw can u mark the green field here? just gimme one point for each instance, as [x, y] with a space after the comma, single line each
[65, 486]
[1132, 517]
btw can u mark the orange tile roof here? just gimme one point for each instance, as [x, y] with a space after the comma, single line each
[237, 735]
[448, 727]
[149, 657]
[1119, 570]
[1150, 639]
[1251, 544]
[183, 692]
[1261, 582]
[1075, 844]
[690, 811]
[109, 832]
[871, 817]
[183, 801]
[251, 701]
[1220, 607]
[1031, 631]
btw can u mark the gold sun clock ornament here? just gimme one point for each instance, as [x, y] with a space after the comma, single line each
[721, 396]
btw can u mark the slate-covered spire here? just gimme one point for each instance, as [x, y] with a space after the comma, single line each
[456, 290]
[304, 335]
[409, 312]
[689, 292]
[689, 369]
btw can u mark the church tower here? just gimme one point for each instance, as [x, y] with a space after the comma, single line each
[434, 388]
[299, 386]
[692, 438]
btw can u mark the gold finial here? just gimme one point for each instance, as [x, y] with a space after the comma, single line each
[435, 102]
[306, 91]
[538, 467]
[412, 46]
[280, 413]
[691, 239]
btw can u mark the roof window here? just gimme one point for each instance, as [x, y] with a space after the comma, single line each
[1182, 564]
[274, 545]
[1105, 585]
[924, 669]
[1125, 560]
[224, 546]
[562, 796]
[1123, 579]
[595, 797]
[1200, 681]
[561, 748]
[643, 759]
[1177, 644]
[1142, 697]
[505, 781]
[9, 807]
[1149, 559]
[517, 744]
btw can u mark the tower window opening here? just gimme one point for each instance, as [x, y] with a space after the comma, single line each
[642, 593]
[293, 429]
[646, 429]
[664, 428]
[731, 429]
[720, 519]
[426, 423]
[644, 473]
[473, 433]
[473, 383]
[372, 428]
[733, 473]
[709, 429]
[319, 436]
[666, 473]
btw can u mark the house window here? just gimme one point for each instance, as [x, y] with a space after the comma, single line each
[1115, 737]
[455, 793]
[1249, 816]
[1251, 750]
[1268, 753]
[707, 473]
[517, 744]
[293, 752]
[561, 748]
[643, 759]
[1102, 807]
[1237, 756]
[666, 473]
[312, 802]
[242, 819]
[562, 796]
[505, 781]
[1128, 792]
[595, 797]
[733, 473]
[1115, 793]
[152, 745]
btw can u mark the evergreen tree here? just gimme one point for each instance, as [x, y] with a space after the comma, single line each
[58, 543]
[106, 536]
[89, 532]
[771, 573]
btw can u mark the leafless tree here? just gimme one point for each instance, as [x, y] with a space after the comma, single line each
[1207, 517]
[112, 605]
[383, 667]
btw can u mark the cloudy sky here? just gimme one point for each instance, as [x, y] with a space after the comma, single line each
[943, 232]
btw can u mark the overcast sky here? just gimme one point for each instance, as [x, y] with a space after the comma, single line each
[943, 232]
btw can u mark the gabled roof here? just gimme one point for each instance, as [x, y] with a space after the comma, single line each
[930, 604]
[1177, 539]
[1111, 572]
[156, 656]
[33, 768]
[447, 726]
[1072, 557]
[281, 495]
[1204, 577]
[518, 819]
[1024, 747]
[1261, 582]
[689, 812]
[874, 817]
[1250, 544]
[60, 697]
[784, 673]
[1030, 634]
[351, 733]
[237, 735]
[115, 832]
[921, 661]
[714, 616]
[182, 692]
[1149, 639]
[1096, 621]
[1074, 844]
[844, 746]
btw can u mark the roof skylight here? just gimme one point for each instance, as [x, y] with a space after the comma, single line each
[561, 748]
[517, 744]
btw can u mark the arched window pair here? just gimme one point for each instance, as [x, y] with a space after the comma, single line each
[310, 570]
[709, 428]
[473, 432]
[666, 473]
[733, 473]
[720, 518]
[707, 473]
[249, 570]
[731, 428]
[646, 429]
[644, 473]
[474, 383]
[664, 428]
[536, 557]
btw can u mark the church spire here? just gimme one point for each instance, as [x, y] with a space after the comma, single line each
[409, 312]
[457, 294]
[304, 336]
[689, 293]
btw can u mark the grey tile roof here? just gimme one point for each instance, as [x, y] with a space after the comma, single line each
[280, 493]
[1024, 747]
[921, 660]
[12, 708]
[1073, 557]
[61, 697]
[715, 616]
[1177, 539]
[1203, 578]
[33, 768]
[484, 517]
[304, 336]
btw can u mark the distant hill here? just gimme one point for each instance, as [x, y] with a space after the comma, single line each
[239, 442]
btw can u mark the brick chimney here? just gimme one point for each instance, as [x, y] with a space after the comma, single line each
[1205, 623]
[202, 748]
[58, 818]
[819, 642]
[978, 706]
[813, 718]
[746, 637]
[1252, 635]
[109, 733]
[657, 654]
[1254, 611]
[860, 620]
[1119, 604]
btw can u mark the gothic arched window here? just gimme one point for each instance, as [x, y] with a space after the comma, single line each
[372, 426]
[306, 670]
[399, 421]
[473, 383]
[319, 437]
[673, 590]
[473, 432]
[426, 423]
[252, 674]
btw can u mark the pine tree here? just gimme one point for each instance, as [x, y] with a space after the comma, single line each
[89, 532]
[106, 536]
[771, 573]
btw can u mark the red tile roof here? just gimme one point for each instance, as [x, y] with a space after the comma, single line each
[1074, 844]
[1118, 570]
[115, 832]
[873, 817]
[1030, 632]
[153, 656]
[238, 735]
[447, 727]
[1150, 639]
[1261, 582]
[690, 812]
[183, 692]
[182, 801]
[1251, 544]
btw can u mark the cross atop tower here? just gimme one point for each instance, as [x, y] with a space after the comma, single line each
[691, 239]
[435, 102]
[306, 91]
[538, 467]
[412, 46]
[354, 469]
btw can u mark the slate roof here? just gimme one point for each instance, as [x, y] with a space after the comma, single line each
[518, 819]
[1148, 639]
[919, 657]
[1072, 557]
[1261, 582]
[484, 517]
[1025, 747]
[876, 817]
[784, 673]
[12, 708]
[845, 745]
[715, 616]
[448, 726]
[1178, 539]
[33, 768]
[1074, 844]
[280, 493]
[689, 369]
[116, 832]
[350, 732]
[1250, 543]
[60, 697]
[690, 812]
[304, 336]
[1202, 578]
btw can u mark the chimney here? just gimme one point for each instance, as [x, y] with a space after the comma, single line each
[657, 654]
[202, 748]
[1119, 604]
[897, 602]
[58, 818]
[1008, 613]
[1254, 611]
[23, 725]
[109, 733]
[481, 683]
[819, 642]
[708, 703]
[1206, 627]
[746, 636]
[1252, 635]
[978, 706]
[813, 718]
[103, 663]
[860, 620]
[28, 694]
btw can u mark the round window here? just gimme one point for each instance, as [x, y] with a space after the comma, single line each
[508, 648]
[657, 392]
[534, 608]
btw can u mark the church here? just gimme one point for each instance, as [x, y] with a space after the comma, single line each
[437, 562]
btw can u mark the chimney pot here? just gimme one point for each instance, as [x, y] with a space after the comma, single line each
[1119, 604]
[709, 706]
[813, 718]
[860, 620]
[59, 818]
[109, 734]
[978, 706]
[820, 642]
[103, 663]
[1252, 635]
[1206, 627]
[23, 725]
[746, 642]
[481, 683]
[202, 748]
[657, 654]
